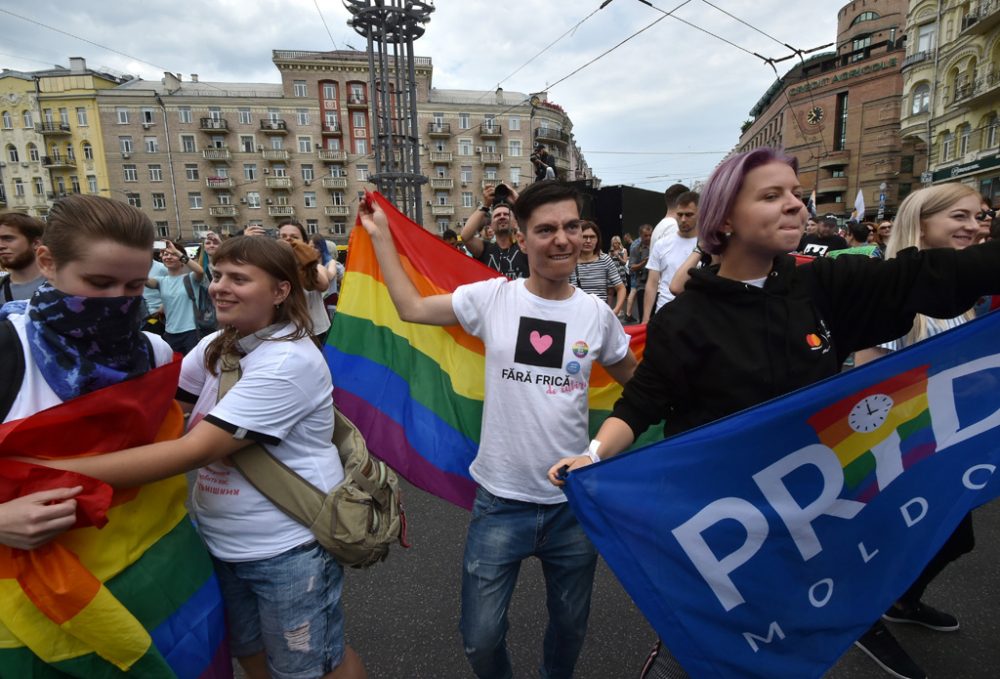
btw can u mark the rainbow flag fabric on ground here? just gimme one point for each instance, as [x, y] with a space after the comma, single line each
[130, 589]
[416, 391]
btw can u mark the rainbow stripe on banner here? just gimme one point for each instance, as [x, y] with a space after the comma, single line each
[414, 391]
[130, 589]
[889, 420]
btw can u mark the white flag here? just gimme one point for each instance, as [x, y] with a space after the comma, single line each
[859, 206]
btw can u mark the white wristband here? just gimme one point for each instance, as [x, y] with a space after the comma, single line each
[592, 451]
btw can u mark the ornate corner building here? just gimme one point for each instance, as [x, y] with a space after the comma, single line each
[838, 112]
[951, 80]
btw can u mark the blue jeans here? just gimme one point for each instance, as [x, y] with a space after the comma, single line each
[289, 607]
[501, 535]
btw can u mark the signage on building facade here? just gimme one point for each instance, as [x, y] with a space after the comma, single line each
[956, 171]
[846, 75]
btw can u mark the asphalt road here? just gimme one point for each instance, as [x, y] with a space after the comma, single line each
[402, 615]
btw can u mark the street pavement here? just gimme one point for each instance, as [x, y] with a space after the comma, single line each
[402, 615]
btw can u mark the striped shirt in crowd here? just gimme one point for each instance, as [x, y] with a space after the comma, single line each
[597, 276]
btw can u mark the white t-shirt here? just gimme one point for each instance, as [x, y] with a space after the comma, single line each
[665, 227]
[284, 401]
[666, 257]
[318, 314]
[538, 359]
[36, 394]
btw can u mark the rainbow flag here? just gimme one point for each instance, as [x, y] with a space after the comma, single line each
[129, 589]
[879, 432]
[415, 391]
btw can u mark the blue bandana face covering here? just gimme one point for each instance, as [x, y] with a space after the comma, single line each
[81, 344]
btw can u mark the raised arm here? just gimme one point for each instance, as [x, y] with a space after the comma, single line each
[475, 223]
[411, 306]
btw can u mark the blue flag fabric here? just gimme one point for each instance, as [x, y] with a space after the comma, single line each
[764, 544]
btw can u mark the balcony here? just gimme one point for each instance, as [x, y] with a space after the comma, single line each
[281, 210]
[223, 211]
[835, 159]
[441, 156]
[332, 156]
[442, 184]
[446, 210]
[336, 211]
[332, 128]
[334, 182]
[51, 128]
[217, 154]
[489, 131]
[357, 101]
[489, 158]
[219, 182]
[832, 185]
[273, 126]
[918, 57]
[56, 195]
[55, 162]
[983, 19]
[491, 181]
[550, 134]
[439, 129]
[213, 125]
[984, 90]
[274, 155]
[278, 182]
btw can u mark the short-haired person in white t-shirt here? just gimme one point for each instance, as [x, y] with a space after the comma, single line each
[542, 336]
[281, 589]
[667, 255]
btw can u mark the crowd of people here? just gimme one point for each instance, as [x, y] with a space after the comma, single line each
[714, 281]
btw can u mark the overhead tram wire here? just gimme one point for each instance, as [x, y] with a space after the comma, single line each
[323, 19]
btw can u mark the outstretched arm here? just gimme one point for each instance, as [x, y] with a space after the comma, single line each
[412, 307]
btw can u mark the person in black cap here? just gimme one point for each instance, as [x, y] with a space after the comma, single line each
[544, 165]
[825, 239]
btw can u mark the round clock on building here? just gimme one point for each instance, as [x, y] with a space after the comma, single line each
[870, 413]
[814, 115]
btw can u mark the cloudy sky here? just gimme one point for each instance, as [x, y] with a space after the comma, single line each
[663, 107]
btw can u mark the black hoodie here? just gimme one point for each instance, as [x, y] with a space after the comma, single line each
[724, 345]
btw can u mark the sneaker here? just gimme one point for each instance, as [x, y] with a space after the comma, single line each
[879, 644]
[922, 614]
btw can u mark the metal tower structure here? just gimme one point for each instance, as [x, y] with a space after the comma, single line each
[391, 26]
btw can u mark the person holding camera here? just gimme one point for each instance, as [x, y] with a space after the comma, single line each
[504, 255]
[545, 167]
[181, 330]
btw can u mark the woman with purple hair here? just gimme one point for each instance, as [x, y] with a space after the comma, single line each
[739, 334]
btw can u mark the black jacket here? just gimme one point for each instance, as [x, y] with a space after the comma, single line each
[724, 346]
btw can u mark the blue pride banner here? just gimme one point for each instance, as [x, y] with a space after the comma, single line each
[764, 544]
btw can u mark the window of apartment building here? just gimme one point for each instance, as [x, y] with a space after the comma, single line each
[250, 171]
[441, 171]
[148, 117]
[159, 201]
[155, 173]
[357, 92]
[305, 144]
[134, 199]
[91, 183]
[70, 153]
[514, 123]
[194, 200]
[329, 91]
[273, 115]
[465, 147]
[359, 120]
[490, 146]
[992, 132]
[277, 143]
[279, 170]
[60, 185]
[312, 226]
[187, 143]
[130, 173]
[81, 116]
[47, 115]
[926, 37]
[362, 172]
[308, 173]
[947, 146]
[490, 174]
[280, 199]
[220, 171]
[330, 120]
[338, 198]
[840, 123]
[438, 120]
[224, 198]
[18, 187]
[184, 114]
[859, 45]
[489, 122]
[302, 116]
[191, 171]
[361, 146]
[12, 154]
[309, 198]
[246, 143]
[215, 113]
[299, 88]
[244, 116]
[338, 171]
[88, 151]
[465, 173]
[439, 145]
[125, 144]
[27, 118]
[38, 185]
[964, 134]
[442, 224]
[64, 116]
[466, 198]
[464, 121]
[122, 114]
[441, 197]
[74, 183]
[838, 174]
[217, 141]
[33, 154]
[514, 147]
[162, 229]
[906, 164]
[921, 99]
[515, 175]
[8, 122]
[903, 191]
[253, 199]
[152, 144]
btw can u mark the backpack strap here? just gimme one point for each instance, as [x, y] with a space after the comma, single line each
[8, 296]
[11, 367]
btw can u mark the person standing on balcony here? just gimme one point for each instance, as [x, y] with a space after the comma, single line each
[545, 165]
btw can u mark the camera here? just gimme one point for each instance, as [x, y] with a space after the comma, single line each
[501, 193]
